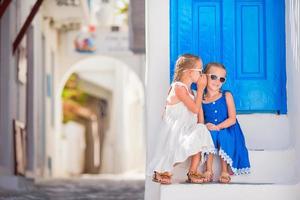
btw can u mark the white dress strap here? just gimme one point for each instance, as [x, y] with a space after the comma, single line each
[181, 84]
[184, 85]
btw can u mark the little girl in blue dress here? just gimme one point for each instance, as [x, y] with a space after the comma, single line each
[220, 119]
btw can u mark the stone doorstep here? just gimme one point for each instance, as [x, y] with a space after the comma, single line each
[258, 191]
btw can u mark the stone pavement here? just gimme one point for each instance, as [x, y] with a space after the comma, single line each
[100, 188]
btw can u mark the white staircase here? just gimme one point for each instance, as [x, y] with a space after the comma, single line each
[214, 191]
[266, 167]
[273, 168]
[272, 177]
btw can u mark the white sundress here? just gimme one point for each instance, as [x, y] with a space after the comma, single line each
[179, 137]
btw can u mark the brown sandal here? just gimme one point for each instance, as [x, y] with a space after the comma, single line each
[162, 178]
[225, 178]
[154, 178]
[208, 176]
[194, 177]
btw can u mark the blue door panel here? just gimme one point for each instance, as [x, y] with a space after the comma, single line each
[250, 41]
[247, 36]
[206, 34]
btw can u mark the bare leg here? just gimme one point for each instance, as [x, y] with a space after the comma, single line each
[193, 175]
[224, 167]
[208, 174]
[225, 177]
[195, 160]
[209, 162]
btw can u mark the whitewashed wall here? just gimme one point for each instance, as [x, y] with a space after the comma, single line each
[123, 147]
[293, 72]
[52, 56]
[112, 46]
[157, 66]
[18, 100]
[8, 91]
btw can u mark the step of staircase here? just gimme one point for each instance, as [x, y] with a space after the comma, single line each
[273, 176]
[214, 191]
[276, 166]
[265, 131]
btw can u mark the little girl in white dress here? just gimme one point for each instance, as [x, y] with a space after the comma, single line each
[183, 134]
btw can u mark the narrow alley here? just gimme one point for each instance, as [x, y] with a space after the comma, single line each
[100, 188]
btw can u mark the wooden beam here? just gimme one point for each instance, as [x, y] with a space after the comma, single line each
[3, 7]
[27, 23]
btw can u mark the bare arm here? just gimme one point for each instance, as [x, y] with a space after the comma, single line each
[201, 116]
[194, 106]
[201, 84]
[183, 95]
[231, 120]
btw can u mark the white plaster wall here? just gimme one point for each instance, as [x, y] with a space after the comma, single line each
[123, 144]
[106, 13]
[38, 99]
[16, 105]
[65, 57]
[110, 44]
[157, 66]
[293, 72]
[52, 55]
[126, 134]
[8, 91]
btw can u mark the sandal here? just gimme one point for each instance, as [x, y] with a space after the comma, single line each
[166, 178]
[225, 178]
[162, 178]
[155, 178]
[208, 176]
[194, 177]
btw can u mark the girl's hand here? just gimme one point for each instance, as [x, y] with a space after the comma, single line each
[212, 127]
[202, 82]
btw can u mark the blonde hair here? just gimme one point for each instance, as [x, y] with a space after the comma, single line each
[185, 61]
[213, 64]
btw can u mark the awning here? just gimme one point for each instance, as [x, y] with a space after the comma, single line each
[3, 6]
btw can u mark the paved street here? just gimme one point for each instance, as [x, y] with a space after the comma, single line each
[84, 188]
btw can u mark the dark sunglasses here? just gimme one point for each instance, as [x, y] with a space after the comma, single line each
[215, 77]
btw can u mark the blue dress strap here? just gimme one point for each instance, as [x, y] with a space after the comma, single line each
[224, 92]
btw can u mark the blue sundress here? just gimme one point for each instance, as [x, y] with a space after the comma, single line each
[229, 142]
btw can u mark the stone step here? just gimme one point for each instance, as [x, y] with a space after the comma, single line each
[214, 191]
[277, 166]
[265, 131]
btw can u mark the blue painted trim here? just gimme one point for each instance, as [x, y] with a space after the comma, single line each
[173, 36]
[283, 103]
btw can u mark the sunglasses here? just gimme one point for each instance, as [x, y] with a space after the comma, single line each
[215, 77]
[197, 70]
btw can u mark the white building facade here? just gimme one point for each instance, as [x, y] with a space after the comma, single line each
[273, 140]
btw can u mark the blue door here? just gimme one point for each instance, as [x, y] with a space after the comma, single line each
[247, 36]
